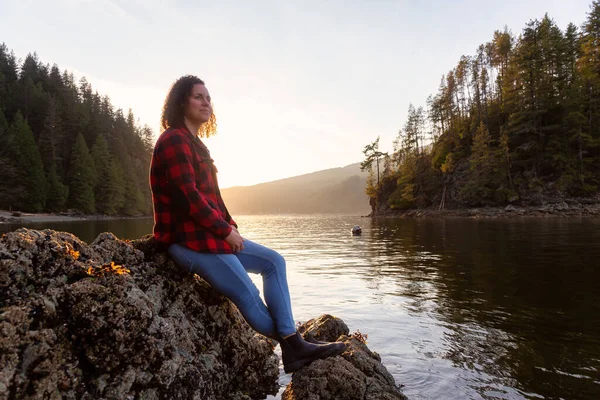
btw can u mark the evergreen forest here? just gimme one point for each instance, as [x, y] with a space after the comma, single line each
[518, 121]
[64, 147]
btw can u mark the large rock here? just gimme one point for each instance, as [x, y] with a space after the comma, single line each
[355, 374]
[117, 320]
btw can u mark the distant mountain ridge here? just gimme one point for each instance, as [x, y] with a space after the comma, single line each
[335, 190]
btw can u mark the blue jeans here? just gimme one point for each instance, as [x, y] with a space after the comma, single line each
[228, 274]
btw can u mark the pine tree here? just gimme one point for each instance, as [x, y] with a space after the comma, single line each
[51, 130]
[30, 166]
[373, 156]
[5, 140]
[33, 99]
[11, 189]
[371, 188]
[483, 171]
[147, 137]
[119, 196]
[480, 154]
[505, 153]
[55, 85]
[133, 203]
[72, 125]
[133, 197]
[503, 46]
[8, 81]
[589, 68]
[82, 178]
[107, 192]
[58, 193]
[412, 174]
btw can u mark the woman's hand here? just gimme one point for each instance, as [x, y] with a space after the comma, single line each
[235, 241]
[237, 230]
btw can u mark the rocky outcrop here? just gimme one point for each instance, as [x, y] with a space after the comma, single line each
[357, 374]
[117, 320]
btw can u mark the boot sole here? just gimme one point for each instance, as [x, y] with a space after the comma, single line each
[296, 365]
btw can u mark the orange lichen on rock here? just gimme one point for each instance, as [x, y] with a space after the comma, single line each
[73, 253]
[106, 269]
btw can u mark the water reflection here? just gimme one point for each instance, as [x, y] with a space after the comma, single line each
[518, 301]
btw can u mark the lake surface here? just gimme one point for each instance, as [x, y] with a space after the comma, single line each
[457, 308]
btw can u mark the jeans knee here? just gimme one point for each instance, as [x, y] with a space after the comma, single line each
[278, 262]
[256, 313]
[250, 298]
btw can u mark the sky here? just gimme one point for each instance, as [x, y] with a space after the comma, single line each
[297, 86]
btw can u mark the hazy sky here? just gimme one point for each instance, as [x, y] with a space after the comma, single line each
[298, 86]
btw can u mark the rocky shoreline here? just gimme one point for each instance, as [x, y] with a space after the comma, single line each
[118, 320]
[562, 209]
[16, 217]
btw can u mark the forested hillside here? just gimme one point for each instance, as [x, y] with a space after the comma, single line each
[516, 122]
[65, 147]
[335, 190]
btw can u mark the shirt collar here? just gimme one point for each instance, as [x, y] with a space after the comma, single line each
[196, 139]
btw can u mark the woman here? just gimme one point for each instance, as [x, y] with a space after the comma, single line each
[192, 220]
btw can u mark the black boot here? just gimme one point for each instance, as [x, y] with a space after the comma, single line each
[310, 338]
[297, 352]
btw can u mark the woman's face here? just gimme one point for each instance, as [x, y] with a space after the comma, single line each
[198, 109]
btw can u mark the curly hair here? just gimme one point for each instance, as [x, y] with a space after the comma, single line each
[172, 113]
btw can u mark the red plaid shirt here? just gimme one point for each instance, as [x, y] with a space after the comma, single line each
[188, 207]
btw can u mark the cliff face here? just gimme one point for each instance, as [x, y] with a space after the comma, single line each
[75, 326]
[118, 320]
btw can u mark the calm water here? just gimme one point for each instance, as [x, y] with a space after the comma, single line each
[457, 308]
